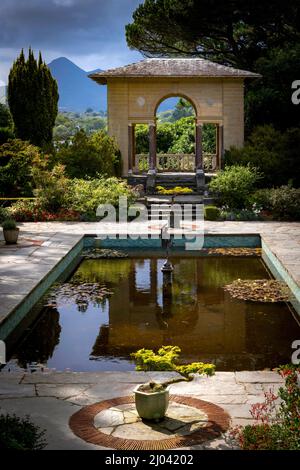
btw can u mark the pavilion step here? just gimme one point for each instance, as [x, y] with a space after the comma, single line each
[175, 181]
[163, 212]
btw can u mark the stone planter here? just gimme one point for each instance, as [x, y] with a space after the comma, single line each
[151, 406]
[11, 236]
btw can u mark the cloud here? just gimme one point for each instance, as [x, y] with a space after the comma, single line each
[64, 3]
[90, 32]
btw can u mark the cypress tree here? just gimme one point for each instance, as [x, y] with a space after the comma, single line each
[33, 99]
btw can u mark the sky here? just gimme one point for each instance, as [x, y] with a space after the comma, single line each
[91, 33]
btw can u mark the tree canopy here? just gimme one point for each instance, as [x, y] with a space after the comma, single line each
[235, 32]
[263, 37]
[33, 99]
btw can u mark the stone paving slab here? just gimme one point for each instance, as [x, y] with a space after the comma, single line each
[84, 377]
[239, 399]
[10, 390]
[259, 388]
[50, 398]
[52, 415]
[180, 420]
[219, 384]
[11, 285]
[23, 267]
[259, 377]
[238, 411]
[59, 391]
[8, 303]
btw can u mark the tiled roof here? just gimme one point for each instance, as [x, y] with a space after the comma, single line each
[172, 68]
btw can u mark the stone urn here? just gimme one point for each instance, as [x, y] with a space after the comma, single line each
[151, 406]
[11, 236]
[10, 232]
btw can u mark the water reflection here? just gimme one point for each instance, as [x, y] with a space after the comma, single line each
[194, 313]
[39, 345]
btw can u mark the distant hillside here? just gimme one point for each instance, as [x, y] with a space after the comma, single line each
[3, 99]
[167, 105]
[77, 91]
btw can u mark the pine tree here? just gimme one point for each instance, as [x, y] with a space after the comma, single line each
[33, 99]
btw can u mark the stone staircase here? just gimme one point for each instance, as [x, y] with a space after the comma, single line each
[166, 208]
[171, 180]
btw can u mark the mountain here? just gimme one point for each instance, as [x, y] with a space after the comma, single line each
[77, 91]
[167, 105]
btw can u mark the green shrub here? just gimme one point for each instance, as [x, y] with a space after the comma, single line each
[6, 124]
[58, 198]
[86, 195]
[20, 434]
[17, 158]
[234, 186]
[86, 156]
[167, 359]
[9, 224]
[52, 187]
[34, 211]
[118, 166]
[5, 116]
[262, 199]
[6, 133]
[241, 214]
[24, 210]
[283, 202]
[276, 419]
[107, 148]
[274, 154]
[4, 214]
[211, 213]
[176, 190]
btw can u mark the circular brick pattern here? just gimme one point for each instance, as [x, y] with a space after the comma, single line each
[82, 424]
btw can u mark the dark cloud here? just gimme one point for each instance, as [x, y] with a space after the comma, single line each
[82, 29]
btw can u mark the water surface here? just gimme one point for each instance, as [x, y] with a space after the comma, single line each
[195, 314]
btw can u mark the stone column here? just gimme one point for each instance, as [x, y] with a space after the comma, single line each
[220, 146]
[217, 147]
[199, 152]
[200, 176]
[130, 148]
[152, 149]
[133, 149]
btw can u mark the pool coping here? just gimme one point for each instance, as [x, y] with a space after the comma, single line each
[42, 265]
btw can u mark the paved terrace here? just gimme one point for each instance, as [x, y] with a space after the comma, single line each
[51, 397]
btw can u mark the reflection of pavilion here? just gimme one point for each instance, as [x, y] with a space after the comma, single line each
[200, 316]
[194, 317]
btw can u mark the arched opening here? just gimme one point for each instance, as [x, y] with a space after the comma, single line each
[175, 130]
[175, 141]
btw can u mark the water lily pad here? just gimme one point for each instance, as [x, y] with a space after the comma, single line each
[79, 293]
[233, 251]
[103, 253]
[259, 290]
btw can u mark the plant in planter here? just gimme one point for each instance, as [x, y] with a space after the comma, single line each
[152, 398]
[173, 191]
[10, 231]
